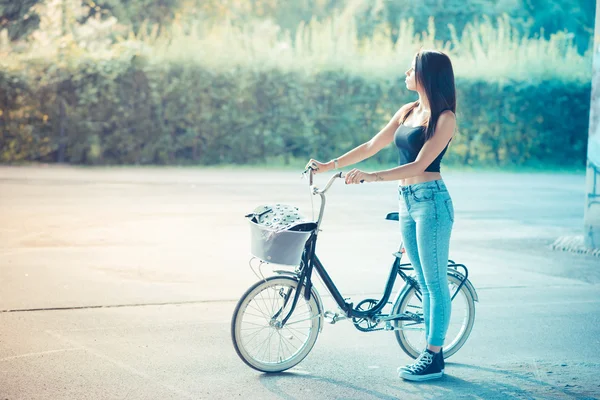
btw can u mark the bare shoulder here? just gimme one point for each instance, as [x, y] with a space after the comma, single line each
[405, 107]
[447, 117]
[401, 111]
[446, 125]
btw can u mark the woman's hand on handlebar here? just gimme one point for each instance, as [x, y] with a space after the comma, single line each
[319, 167]
[357, 176]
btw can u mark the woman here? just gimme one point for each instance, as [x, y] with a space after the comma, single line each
[421, 131]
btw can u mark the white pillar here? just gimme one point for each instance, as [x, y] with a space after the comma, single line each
[592, 204]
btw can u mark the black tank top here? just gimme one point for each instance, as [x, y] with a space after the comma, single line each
[409, 140]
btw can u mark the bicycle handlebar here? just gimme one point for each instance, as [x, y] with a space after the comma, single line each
[330, 182]
[327, 186]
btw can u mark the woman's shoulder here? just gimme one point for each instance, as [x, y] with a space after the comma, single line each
[409, 106]
[403, 111]
[447, 115]
[446, 123]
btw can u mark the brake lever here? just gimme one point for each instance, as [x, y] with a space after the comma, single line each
[310, 174]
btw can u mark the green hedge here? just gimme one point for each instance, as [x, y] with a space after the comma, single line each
[135, 112]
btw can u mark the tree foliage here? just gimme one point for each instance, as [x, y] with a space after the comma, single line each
[530, 17]
[128, 111]
[239, 92]
[18, 18]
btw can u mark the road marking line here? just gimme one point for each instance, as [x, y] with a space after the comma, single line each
[122, 365]
[171, 303]
[39, 353]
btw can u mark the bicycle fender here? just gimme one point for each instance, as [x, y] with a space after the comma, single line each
[401, 293]
[456, 274]
[468, 284]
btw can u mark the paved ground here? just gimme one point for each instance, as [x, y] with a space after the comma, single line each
[120, 284]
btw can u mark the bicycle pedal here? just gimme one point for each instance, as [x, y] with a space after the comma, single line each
[333, 317]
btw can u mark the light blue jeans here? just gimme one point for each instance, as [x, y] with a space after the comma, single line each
[426, 218]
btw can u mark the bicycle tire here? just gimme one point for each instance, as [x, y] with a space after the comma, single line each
[310, 308]
[402, 305]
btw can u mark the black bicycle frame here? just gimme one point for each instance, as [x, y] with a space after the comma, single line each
[310, 261]
[348, 308]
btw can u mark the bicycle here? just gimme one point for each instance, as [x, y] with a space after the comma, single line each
[287, 308]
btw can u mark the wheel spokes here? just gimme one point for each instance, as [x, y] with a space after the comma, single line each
[263, 338]
[459, 320]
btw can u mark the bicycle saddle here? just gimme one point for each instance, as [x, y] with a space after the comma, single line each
[393, 216]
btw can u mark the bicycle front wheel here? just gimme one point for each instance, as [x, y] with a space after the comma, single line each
[256, 331]
[411, 334]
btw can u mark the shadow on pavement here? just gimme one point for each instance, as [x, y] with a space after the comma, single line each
[326, 388]
[483, 383]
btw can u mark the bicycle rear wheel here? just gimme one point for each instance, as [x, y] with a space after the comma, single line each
[411, 334]
[256, 331]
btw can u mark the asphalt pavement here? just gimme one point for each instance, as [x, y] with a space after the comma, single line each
[120, 283]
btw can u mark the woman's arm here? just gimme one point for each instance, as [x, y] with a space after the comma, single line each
[431, 149]
[373, 146]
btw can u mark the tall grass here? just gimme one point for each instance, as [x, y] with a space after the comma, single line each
[488, 50]
[498, 52]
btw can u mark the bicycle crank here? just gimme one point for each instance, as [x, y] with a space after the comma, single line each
[333, 317]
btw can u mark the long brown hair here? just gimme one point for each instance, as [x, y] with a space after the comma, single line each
[433, 71]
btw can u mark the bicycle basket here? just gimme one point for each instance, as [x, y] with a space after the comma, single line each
[278, 233]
